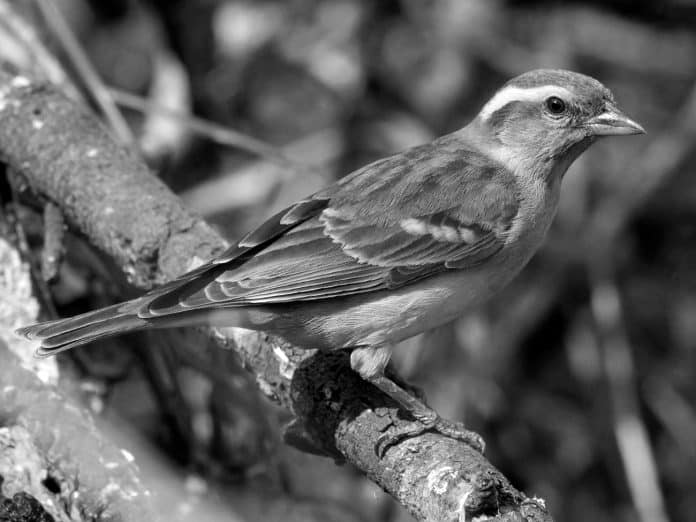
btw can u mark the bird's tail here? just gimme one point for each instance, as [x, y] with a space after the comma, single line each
[63, 334]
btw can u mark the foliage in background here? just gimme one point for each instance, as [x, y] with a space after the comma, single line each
[580, 376]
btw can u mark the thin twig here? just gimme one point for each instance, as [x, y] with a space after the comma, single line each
[631, 434]
[214, 131]
[674, 411]
[44, 292]
[54, 19]
[26, 51]
[54, 238]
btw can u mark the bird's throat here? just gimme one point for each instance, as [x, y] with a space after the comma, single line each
[564, 160]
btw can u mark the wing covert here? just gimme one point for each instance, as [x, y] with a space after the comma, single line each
[401, 219]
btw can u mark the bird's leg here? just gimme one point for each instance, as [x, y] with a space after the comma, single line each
[370, 363]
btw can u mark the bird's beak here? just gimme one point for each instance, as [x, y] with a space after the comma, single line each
[613, 122]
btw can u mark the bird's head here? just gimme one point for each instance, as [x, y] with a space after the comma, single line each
[548, 117]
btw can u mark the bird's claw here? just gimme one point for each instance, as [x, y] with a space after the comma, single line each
[453, 430]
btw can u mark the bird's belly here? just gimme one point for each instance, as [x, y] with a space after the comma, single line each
[381, 317]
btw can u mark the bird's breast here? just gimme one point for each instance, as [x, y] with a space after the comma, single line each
[538, 205]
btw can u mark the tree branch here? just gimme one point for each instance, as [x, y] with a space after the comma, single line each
[109, 195]
[54, 462]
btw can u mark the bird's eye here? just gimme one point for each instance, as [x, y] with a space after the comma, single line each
[555, 105]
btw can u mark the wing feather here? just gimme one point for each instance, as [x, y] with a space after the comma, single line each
[434, 208]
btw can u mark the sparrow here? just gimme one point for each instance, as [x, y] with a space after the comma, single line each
[400, 246]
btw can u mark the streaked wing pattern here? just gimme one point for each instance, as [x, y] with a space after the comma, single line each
[170, 294]
[416, 241]
[341, 242]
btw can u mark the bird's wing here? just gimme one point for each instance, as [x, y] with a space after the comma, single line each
[433, 208]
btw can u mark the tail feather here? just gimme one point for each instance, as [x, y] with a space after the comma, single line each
[63, 334]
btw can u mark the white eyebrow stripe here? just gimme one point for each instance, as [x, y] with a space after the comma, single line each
[513, 94]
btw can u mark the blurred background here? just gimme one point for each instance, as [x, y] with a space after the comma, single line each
[581, 376]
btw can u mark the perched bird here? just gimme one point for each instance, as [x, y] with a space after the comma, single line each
[400, 246]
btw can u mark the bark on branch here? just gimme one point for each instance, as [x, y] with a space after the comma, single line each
[55, 464]
[108, 194]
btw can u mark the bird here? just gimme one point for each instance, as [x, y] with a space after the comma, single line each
[400, 246]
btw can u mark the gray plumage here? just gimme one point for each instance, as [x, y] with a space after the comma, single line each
[398, 246]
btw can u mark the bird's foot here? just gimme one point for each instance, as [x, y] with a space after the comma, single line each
[410, 388]
[428, 422]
